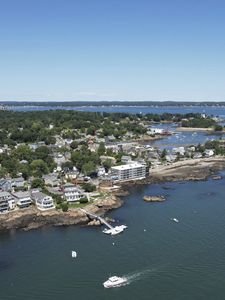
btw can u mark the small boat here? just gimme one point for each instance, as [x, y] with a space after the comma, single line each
[114, 230]
[106, 231]
[175, 220]
[115, 281]
[74, 254]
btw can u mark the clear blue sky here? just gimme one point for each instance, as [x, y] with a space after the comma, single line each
[112, 50]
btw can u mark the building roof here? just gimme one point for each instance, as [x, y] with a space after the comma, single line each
[21, 194]
[4, 194]
[128, 166]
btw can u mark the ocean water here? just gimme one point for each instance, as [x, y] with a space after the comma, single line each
[209, 110]
[161, 259]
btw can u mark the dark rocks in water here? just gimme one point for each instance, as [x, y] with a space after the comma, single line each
[149, 198]
[168, 188]
[216, 177]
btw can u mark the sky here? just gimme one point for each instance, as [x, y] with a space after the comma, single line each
[112, 50]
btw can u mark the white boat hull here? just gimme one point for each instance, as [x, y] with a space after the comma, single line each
[120, 281]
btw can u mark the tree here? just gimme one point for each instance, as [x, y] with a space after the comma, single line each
[107, 164]
[37, 183]
[74, 145]
[23, 152]
[88, 187]
[84, 200]
[39, 167]
[88, 168]
[42, 153]
[64, 206]
[101, 149]
[163, 154]
[218, 127]
[91, 130]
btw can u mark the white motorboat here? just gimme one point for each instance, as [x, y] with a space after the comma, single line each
[74, 254]
[115, 281]
[107, 231]
[115, 230]
[175, 220]
[124, 226]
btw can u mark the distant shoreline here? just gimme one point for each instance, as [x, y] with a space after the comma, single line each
[114, 103]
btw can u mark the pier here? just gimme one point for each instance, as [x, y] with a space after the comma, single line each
[111, 230]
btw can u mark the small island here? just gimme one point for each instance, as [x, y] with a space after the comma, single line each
[149, 198]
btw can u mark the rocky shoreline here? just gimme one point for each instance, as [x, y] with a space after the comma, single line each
[188, 170]
[32, 218]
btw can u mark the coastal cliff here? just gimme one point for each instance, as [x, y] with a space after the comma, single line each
[32, 218]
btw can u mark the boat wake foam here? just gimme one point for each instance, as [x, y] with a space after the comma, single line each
[134, 276]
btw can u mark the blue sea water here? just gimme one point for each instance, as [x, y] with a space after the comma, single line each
[160, 258]
[209, 110]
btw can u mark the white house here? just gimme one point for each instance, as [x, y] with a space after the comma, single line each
[42, 201]
[72, 193]
[101, 171]
[133, 171]
[126, 159]
[155, 131]
[18, 182]
[23, 199]
[51, 179]
[7, 202]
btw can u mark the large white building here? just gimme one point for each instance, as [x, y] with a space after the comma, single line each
[23, 199]
[132, 171]
[72, 193]
[43, 201]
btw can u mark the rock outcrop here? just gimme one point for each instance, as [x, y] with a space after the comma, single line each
[154, 198]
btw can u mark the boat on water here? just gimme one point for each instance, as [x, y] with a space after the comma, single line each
[175, 220]
[74, 254]
[114, 230]
[115, 281]
[107, 231]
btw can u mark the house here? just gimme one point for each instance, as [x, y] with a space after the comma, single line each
[33, 146]
[101, 171]
[7, 202]
[111, 158]
[72, 193]
[59, 159]
[23, 199]
[71, 174]
[133, 171]
[5, 185]
[153, 131]
[42, 201]
[126, 159]
[51, 179]
[18, 182]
